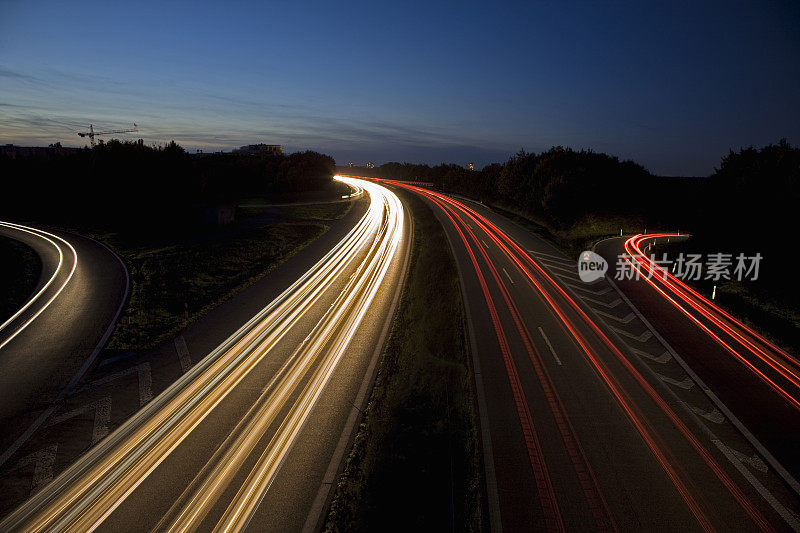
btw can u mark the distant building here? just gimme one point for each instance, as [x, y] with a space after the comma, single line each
[370, 164]
[13, 151]
[254, 149]
[471, 166]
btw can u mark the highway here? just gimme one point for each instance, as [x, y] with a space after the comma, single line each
[587, 420]
[758, 382]
[54, 338]
[214, 450]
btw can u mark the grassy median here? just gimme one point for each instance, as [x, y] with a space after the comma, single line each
[415, 461]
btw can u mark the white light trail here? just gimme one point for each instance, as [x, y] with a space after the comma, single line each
[46, 236]
[83, 496]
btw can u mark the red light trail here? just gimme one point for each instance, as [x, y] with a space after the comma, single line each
[562, 305]
[752, 350]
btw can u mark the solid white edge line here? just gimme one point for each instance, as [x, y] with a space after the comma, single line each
[77, 377]
[237, 519]
[492, 494]
[749, 437]
[321, 500]
[81, 465]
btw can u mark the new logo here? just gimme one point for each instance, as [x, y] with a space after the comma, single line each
[591, 266]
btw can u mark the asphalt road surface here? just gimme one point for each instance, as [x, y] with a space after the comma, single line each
[587, 420]
[253, 432]
[54, 339]
[755, 380]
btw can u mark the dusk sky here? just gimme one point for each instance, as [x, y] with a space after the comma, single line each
[672, 85]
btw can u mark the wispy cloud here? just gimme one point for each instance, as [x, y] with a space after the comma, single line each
[41, 107]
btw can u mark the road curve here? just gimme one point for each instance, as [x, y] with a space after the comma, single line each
[756, 381]
[585, 424]
[231, 422]
[53, 339]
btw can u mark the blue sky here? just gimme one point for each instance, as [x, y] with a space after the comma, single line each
[672, 85]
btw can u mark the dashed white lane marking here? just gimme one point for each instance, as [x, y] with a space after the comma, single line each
[183, 353]
[644, 337]
[508, 276]
[552, 351]
[484, 244]
[145, 381]
[685, 384]
[102, 417]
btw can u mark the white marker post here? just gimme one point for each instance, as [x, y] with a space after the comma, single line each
[714, 292]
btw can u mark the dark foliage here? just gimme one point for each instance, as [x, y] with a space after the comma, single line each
[744, 207]
[560, 185]
[747, 207]
[138, 189]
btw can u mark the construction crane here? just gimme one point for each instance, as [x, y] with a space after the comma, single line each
[92, 134]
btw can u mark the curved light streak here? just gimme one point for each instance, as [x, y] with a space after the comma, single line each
[552, 292]
[45, 236]
[84, 495]
[743, 339]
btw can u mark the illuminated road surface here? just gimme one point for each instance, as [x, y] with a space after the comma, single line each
[750, 377]
[273, 372]
[53, 339]
[580, 431]
[49, 291]
[776, 368]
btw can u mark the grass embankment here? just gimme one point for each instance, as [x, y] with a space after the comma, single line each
[326, 211]
[581, 235]
[175, 283]
[415, 463]
[20, 269]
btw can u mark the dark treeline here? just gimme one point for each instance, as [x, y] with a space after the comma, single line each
[750, 198]
[558, 187]
[745, 206]
[130, 187]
